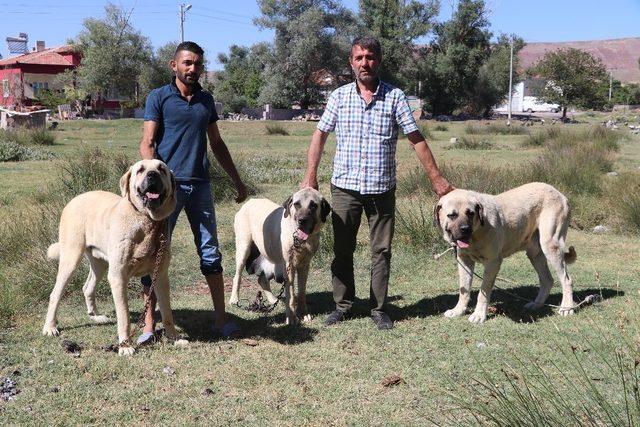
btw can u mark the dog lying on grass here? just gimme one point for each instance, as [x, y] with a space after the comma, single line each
[487, 229]
[118, 236]
[278, 242]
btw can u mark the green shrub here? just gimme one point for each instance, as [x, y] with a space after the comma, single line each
[441, 128]
[13, 152]
[42, 137]
[276, 129]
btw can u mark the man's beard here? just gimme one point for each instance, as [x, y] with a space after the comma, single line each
[370, 77]
[188, 82]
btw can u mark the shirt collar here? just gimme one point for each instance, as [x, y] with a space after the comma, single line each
[376, 94]
[174, 88]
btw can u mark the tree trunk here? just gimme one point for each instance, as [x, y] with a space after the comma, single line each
[564, 113]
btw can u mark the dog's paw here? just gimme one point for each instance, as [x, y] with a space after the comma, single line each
[233, 299]
[477, 317]
[566, 311]
[533, 306]
[307, 318]
[181, 342]
[100, 318]
[50, 331]
[454, 312]
[126, 351]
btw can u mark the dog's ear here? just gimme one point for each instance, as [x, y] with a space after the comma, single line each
[286, 205]
[124, 183]
[436, 215]
[325, 210]
[480, 213]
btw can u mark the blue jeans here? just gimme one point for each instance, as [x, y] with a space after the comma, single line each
[195, 198]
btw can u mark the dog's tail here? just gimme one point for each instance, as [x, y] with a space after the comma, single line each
[570, 256]
[53, 253]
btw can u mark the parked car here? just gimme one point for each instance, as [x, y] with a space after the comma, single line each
[531, 104]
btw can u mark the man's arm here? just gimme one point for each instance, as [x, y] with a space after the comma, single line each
[222, 155]
[147, 149]
[438, 183]
[314, 154]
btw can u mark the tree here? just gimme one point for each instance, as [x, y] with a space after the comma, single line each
[312, 37]
[113, 53]
[463, 70]
[492, 84]
[157, 71]
[396, 24]
[574, 78]
[240, 83]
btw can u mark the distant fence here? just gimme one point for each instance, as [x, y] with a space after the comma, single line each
[279, 113]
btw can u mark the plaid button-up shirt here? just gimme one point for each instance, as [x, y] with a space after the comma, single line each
[367, 136]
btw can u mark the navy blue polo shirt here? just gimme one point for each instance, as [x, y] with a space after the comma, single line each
[181, 138]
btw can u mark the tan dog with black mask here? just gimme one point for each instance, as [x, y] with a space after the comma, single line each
[267, 232]
[118, 236]
[486, 229]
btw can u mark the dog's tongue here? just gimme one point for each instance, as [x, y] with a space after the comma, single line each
[152, 195]
[301, 235]
[461, 244]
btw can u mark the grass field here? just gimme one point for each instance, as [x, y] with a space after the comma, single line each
[518, 368]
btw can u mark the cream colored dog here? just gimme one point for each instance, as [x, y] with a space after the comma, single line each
[487, 229]
[118, 235]
[276, 242]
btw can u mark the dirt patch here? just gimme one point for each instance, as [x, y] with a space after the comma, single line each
[201, 288]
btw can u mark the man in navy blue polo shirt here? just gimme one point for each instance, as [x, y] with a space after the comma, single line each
[178, 118]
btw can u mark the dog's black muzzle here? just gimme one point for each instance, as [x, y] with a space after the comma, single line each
[152, 189]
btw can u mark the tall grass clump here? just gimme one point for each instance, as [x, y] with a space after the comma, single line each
[222, 186]
[425, 131]
[440, 128]
[495, 129]
[276, 129]
[471, 143]
[24, 136]
[623, 196]
[538, 138]
[414, 224]
[593, 384]
[92, 170]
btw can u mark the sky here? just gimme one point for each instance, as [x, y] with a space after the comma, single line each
[216, 24]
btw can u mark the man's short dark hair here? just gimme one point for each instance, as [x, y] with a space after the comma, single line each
[190, 47]
[369, 43]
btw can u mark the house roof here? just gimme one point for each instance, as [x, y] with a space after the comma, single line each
[620, 56]
[51, 56]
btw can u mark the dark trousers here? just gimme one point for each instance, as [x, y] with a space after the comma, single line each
[347, 211]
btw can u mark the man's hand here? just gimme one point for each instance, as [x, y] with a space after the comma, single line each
[441, 186]
[241, 189]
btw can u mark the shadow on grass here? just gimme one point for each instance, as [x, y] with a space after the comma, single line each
[509, 303]
[197, 325]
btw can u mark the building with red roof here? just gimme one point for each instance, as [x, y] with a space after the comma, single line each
[22, 77]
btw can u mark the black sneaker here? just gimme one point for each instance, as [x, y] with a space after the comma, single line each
[382, 320]
[334, 317]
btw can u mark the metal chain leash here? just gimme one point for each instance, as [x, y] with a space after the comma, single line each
[161, 243]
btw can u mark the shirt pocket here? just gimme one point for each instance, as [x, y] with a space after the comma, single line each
[382, 122]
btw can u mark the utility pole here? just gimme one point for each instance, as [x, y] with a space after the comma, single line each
[510, 81]
[183, 10]
[610, 84]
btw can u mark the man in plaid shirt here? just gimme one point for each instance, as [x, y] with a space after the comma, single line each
[366, 116]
